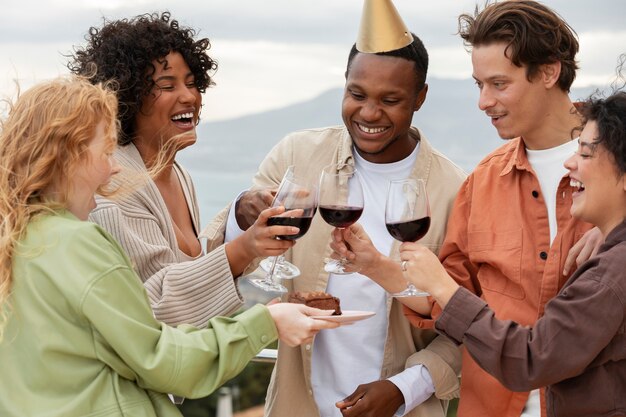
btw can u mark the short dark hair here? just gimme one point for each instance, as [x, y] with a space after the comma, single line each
[535, 35]
[610, 117]
[415, 52]
[123, 51]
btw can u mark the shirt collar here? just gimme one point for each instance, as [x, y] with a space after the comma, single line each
[516, 157]
[617, 235]
[344, 154]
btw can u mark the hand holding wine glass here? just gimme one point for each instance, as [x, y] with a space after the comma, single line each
[425, 271]
[407, 217]
[298, 196]
[340, 202]
[282, 269]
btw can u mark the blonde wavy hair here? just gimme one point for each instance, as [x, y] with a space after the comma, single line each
[43, 141]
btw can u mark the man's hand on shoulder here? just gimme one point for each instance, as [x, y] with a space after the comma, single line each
[376, 399]
[587, 247]
[251, 203]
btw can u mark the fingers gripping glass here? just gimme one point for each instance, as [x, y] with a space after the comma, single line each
[407, 217]
[340, 202]
[298, 196]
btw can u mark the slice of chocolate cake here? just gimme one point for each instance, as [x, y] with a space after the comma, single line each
[317, 299]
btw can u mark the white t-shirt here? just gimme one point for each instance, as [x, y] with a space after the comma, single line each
[352, 355]
[548, 166]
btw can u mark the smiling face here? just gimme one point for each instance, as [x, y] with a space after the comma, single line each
[599, 190]
[171, 108]
[379, 100]
[516, 106]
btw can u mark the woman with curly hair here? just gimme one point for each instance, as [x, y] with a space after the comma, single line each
[161, 72]
[77, 334]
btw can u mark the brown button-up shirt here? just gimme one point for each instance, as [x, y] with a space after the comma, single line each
[498, 247]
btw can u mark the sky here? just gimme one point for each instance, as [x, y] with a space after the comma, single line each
[277, 52]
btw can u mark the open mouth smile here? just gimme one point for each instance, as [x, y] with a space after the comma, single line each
[183, 119]
[577, 185]
[495, 116]
[371, 130]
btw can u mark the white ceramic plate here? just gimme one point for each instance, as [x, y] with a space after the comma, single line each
[348, 316]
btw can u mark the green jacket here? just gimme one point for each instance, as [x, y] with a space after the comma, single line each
[81, 339]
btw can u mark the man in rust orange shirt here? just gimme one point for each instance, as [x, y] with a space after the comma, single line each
[511, 230]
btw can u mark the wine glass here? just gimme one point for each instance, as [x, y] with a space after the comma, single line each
[407, 217]
[282, 268]
[298, 196]
[340, 203]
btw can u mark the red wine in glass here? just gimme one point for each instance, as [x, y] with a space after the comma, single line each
[340, 216]
[409, 231]
[407, 217]
[303, 223]
[340, 201]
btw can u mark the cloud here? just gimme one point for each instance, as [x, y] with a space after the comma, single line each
[278, 52]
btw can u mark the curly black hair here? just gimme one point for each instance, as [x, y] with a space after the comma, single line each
[610, 117]
[123, 51]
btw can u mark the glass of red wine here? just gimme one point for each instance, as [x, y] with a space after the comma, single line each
[299, 197]
[340, 199]
[407, 217]
[282, 268]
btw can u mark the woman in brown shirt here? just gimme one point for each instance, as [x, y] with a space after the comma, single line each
[578, 348]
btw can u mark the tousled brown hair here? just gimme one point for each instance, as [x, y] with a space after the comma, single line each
[535, 35]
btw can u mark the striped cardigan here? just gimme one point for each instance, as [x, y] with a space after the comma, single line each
[181, 289]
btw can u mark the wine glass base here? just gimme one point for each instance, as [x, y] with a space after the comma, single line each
[283, 270]
[266, 285]
[411, 291]
[337, 267]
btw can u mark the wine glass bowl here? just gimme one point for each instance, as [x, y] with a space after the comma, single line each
[407, 217]
[282, 268]
[340, 200]
[303, 223]
[299, 197]
[340, 216]
[410, 231]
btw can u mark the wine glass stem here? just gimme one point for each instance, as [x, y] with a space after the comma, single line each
[342, 259]
[279, 264]
[270, 274]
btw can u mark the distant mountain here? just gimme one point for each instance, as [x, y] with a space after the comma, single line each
[228, 152]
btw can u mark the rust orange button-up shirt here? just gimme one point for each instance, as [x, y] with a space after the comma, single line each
[498, 246]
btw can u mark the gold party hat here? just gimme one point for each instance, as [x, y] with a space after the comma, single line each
[382, 28]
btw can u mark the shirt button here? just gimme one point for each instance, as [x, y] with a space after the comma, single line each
[535, 194]
[543, 255]
[307, 347]
[311, 392]
[264, 339]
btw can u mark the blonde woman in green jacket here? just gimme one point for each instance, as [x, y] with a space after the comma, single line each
[77, 335]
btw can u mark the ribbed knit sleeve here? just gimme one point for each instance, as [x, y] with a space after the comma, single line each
[189, 292]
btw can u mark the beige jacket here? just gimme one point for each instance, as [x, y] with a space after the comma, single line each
[290, 391]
